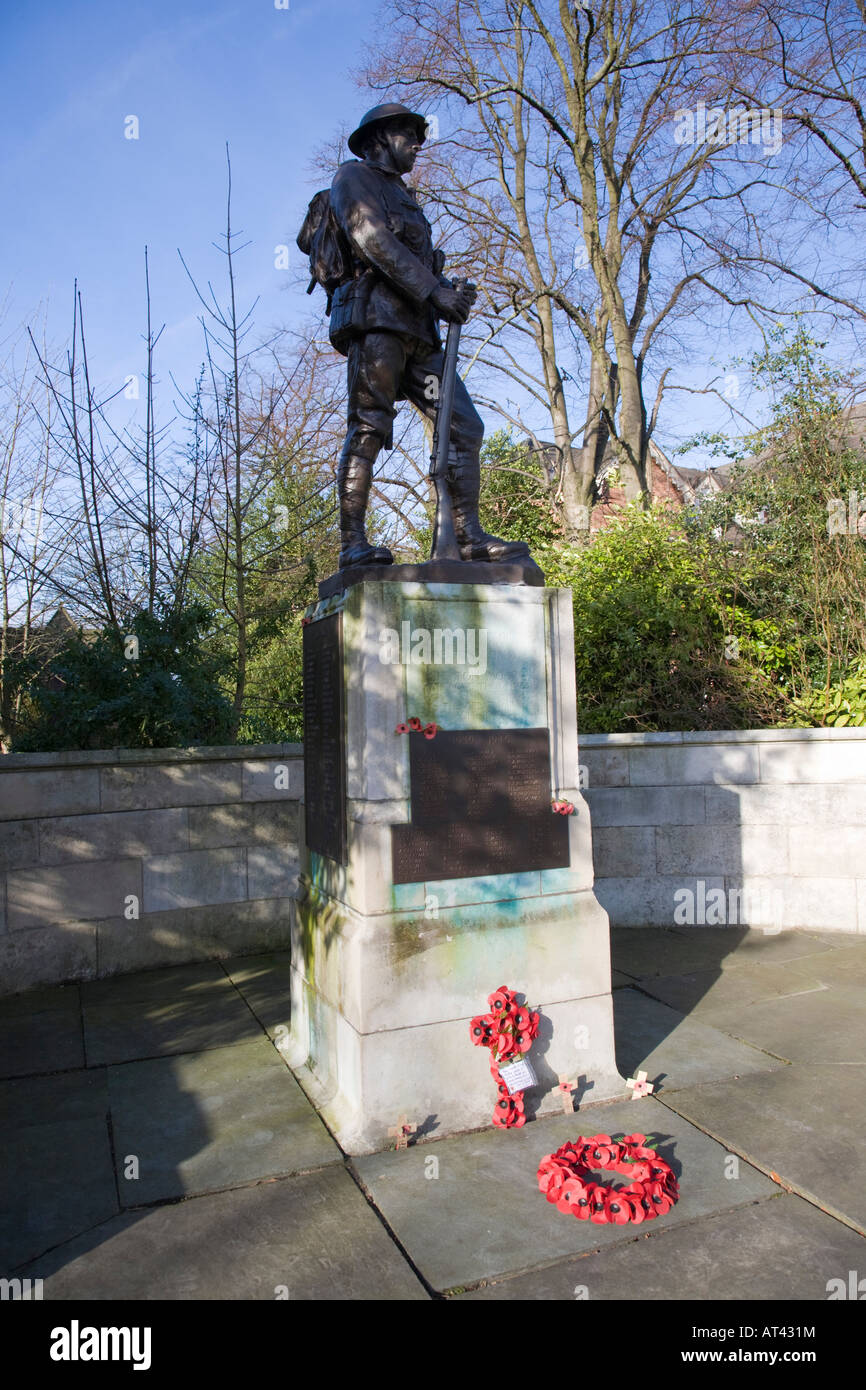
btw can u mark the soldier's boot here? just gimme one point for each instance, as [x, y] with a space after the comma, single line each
[353, 487]
[464, 481]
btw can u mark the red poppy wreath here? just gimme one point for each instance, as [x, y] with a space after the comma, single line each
[565, 1178]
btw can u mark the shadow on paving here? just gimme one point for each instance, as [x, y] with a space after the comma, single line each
[156, 1145]
[172, 1089]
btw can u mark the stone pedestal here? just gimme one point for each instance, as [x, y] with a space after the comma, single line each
[390, 961]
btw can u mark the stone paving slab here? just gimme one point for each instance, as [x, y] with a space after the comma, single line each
[212, 1120]
[56, 1173]
[162, 1012]
[845, 965]
[675, 1050]
[305, 1238]
[714, 993]
[265, 983]
[646, 951]
[39, 1100]
[483, 1215]
[781, 1248]
[41, 1032]
[825, 1023]
[167, 982]
[802, 1122]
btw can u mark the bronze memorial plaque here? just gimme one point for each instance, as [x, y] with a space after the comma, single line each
[324, 748]
[480, 805]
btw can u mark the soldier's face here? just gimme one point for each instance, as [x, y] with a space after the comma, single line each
[403, 144]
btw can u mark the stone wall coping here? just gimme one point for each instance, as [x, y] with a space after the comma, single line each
[114, 757]
[255, 752]
[702, 736]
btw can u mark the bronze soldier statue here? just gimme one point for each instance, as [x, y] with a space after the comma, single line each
[386, 296]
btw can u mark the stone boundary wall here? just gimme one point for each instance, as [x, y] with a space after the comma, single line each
[129, 859]
[763, 828]
[125, 860]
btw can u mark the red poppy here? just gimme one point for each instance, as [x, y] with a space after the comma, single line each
[305, 622]
[659, 1200]
[641, 1151]
[583, 1207]
[600, 1213]
[551, 1182]
[480, 1030]
[534, 1020]
[659, 1170]
[636, 1212]
[402, 729]
[524, 1042]
[603, 1152]
[619, 1211]
[430, 731]
[415, 725]
[499, 1001]
[569, 1154]
[570, 1194]
[629, 1140]
[508, 1112]
[520, 1014]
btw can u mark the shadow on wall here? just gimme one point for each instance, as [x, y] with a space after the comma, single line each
[663, 967]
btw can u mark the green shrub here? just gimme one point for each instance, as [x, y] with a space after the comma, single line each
[156, 685]
[654, 625]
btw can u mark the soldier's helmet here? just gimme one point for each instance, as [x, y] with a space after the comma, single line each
[377, 116]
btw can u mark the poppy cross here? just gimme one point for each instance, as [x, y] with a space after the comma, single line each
[639, 1086]
[401, 1131]
[565, 1089]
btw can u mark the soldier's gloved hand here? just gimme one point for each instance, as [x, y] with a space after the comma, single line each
[453, 305]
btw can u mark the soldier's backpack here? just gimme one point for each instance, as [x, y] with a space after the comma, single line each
[322, 240]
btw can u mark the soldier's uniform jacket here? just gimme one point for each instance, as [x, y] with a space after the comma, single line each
[396, 267]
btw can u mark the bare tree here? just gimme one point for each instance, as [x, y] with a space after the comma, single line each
[594, 216]
[132, 520]
[812, 59]
[30, 545]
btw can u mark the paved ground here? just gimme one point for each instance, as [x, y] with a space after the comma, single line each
[156, 1146]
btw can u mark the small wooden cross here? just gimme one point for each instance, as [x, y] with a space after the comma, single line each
[401, 1131]
[639, 1086]
[565, 1089]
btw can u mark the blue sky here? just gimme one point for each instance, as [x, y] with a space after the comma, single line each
[83, 200]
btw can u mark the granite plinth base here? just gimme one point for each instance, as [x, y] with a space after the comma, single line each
[389, 967]
[382, 1002]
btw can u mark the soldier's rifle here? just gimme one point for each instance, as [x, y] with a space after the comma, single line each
[445, 545]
